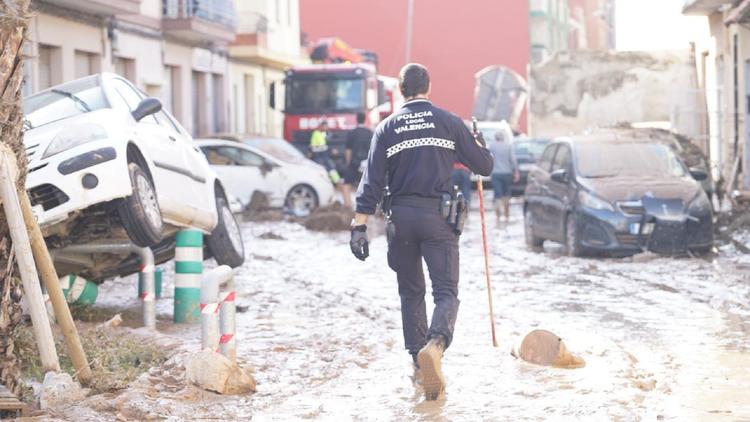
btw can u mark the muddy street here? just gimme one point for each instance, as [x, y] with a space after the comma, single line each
[663, 338]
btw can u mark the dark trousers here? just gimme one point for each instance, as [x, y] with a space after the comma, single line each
[324, 159]
[423, 233]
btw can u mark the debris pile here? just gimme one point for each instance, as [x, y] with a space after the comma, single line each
[118, 356]
[330, 219]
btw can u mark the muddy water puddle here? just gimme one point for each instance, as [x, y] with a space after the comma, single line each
[663, 338]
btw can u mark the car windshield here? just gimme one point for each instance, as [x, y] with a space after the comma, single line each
[607, 159]
[531, 148]
[64, 101]
[277, 148]
[325, 95]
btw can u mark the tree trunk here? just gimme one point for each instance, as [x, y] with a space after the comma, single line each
[13, 24]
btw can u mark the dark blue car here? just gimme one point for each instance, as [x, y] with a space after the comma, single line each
[618, 195]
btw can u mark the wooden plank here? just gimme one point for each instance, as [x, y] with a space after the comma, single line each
[25, 259]
[49, 276]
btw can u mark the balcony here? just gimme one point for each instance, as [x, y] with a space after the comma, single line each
[252, 30]
[254, 45]
[702, 7]
[200, 20]
[100, 7]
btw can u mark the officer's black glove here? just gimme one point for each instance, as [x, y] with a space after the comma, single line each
[479, 136]
[359, 243]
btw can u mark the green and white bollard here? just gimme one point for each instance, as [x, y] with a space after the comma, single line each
[188, 273]
[78, 291]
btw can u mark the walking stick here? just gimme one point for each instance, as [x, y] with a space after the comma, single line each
[480, 189]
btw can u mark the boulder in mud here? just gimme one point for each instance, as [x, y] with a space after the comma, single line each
[542, 347]
[214, 372]
[59, 389]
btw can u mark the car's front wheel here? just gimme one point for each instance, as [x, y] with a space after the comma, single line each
[225, 242]
[301, 200]
[532, 242]
[140, 213]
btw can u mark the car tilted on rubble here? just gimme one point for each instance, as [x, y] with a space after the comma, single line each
[106, 162]
[619, 195]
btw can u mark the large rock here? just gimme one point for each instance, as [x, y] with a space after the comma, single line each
[545, 348]
[212, 371]
[59, 389]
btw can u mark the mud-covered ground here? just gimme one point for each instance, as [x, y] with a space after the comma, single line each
[663, 338]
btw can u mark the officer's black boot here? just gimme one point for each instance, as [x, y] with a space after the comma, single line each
[429, 360]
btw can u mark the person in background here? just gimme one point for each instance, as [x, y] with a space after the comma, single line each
[319, 150]
[461, 177]
[358, 142]
[504, 173]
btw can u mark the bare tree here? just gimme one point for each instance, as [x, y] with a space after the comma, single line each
[13, 24]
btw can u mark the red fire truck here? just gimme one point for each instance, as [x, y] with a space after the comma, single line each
[336, 92]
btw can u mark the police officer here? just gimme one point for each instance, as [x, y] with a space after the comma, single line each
[411, 158]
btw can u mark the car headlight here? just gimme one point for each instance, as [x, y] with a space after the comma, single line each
[700, 204]
[73, 136]
[589, 200]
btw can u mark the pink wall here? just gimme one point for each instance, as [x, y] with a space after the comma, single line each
[454, 42]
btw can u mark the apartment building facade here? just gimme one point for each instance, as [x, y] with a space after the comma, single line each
[176, 50]
[267, 44]
[569, 25]
[726, 66]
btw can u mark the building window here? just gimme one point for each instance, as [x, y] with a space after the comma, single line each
[278, 11]
[85, 64]
[125, 68]
[49, 69]
[289, 12]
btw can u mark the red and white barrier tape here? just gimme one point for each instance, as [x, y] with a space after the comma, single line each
[209, 308]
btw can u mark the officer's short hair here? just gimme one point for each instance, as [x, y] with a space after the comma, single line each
[360, 118]
[413, 80]
[323, 122]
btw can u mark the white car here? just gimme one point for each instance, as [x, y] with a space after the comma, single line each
[272, 167]
[103, 157]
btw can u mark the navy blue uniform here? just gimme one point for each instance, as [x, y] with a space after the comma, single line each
[418, 146]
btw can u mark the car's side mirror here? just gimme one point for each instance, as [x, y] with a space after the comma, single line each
[559, 175]
[699, 174]
[267, 166]
[146, 107]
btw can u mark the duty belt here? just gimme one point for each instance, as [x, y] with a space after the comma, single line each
[417, 201]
